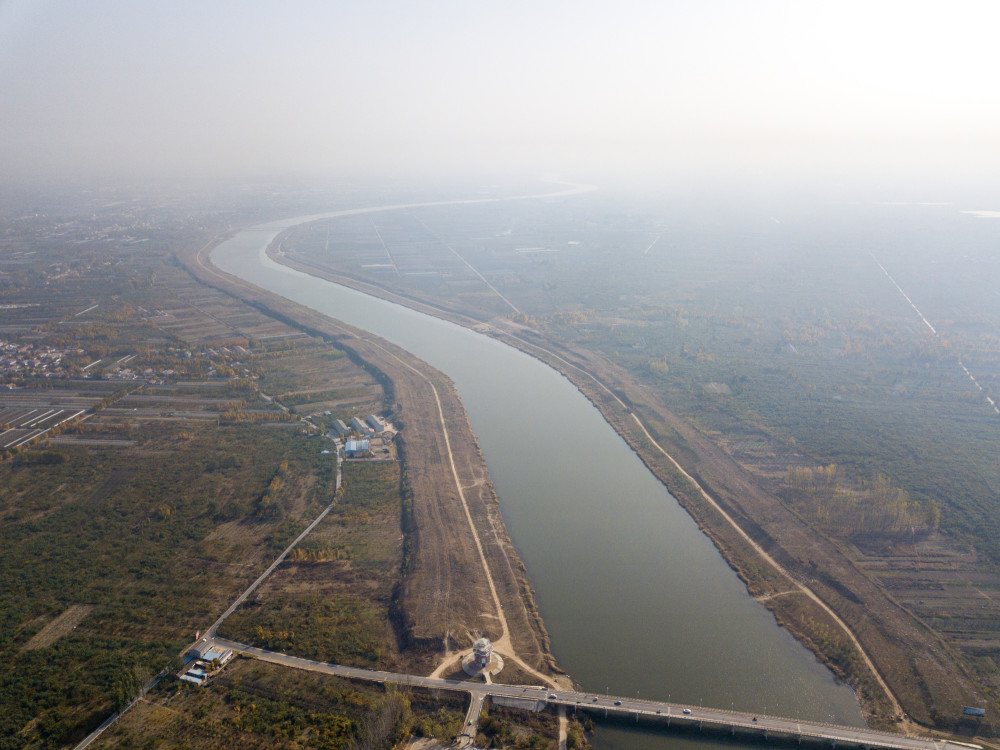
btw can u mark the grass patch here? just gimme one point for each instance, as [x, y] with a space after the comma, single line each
[331, 600]
[257, 705]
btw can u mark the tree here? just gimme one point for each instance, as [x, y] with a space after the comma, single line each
[125, 687]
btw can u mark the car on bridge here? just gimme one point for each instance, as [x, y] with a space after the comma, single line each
[687, 710]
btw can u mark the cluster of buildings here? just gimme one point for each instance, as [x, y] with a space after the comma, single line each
[369, 428]
[127, 373]
[225, 351]
[32, 360]
[359, 436]
[203, 661]
[228, 367]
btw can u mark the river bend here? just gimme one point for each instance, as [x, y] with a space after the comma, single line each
[635, 598]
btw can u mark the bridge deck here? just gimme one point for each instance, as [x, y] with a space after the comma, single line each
[669, 713]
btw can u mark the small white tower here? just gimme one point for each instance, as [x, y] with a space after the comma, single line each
[482, 661]
[482, 653]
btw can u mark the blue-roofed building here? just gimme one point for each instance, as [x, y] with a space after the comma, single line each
[356, 447]
[195, 675]
[223, 656]
[203, 660]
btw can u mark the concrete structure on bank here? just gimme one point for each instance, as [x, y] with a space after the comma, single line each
[482, 652]
[482, 660]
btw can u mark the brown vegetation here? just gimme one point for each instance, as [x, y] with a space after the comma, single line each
[932, 687]
[798, 531]
[148, 539]
[841, 508]
[444, 598]
[58, 627]
[332, 599]
[253, 704]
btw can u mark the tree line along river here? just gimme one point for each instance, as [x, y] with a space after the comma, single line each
[635, 598]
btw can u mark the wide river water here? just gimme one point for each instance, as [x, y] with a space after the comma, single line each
[636, 599]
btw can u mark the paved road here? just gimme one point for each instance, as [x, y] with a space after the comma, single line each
[114, 717]
[668, 713]
[210, 633]
[467, 737]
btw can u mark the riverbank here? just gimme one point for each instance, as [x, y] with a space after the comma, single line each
[853, 626]
[455, 585]
[868, 642]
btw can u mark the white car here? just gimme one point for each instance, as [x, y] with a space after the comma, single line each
[687, 710]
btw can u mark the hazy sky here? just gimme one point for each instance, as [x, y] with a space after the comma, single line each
[570, 87]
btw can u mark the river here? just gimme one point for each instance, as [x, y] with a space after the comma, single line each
[635, 598]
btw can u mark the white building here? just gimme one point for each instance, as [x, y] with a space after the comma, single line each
[482, 653]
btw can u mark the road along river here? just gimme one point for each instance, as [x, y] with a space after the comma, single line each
[636, 599]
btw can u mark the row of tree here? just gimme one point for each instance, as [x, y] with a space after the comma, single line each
[825, 495]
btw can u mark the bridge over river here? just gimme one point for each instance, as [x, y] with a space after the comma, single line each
[534, 697]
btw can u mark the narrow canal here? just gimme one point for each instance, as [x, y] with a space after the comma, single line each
[636, 599]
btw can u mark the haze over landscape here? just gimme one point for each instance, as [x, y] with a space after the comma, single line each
[878, 91]
[404, 375]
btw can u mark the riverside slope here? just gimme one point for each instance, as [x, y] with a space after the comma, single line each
[866, 641]
[446, 599]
